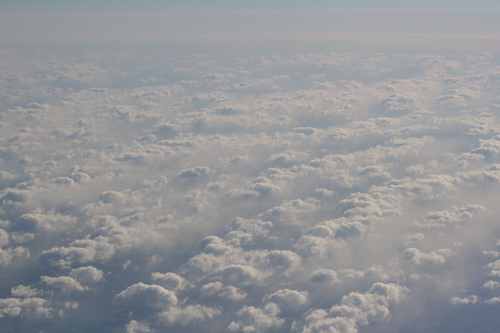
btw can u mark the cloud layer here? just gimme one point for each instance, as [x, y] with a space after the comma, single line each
[305, 193]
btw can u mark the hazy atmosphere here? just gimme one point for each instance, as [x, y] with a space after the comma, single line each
[250, 166]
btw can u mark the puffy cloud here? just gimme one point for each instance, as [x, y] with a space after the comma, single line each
[244, 232]
[195, 172]
[144, 295]
[453, 217]
[188, 315]
[169, 312]
[491, 285]
[432, 258]
[494, 268]
[25, 291]
[136, 327]
[25, 307]
[286, 158]
[356, 309]
[65, 257]
[257, 320]
[217, 288]
[240, 274]
[306, 192]
[63, 283]
[6, 256]
[289, 300]
[86, 275]
[473, 299]
[493, 300]
[169, 280]
[259, 187]
[283, 259]
[322, 275]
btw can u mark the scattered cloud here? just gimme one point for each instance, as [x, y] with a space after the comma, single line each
[308, 192]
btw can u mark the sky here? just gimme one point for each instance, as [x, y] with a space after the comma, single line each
[230, 166]
[255, 25]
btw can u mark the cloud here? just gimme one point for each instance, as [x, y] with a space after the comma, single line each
[217, 288]
[189, 315]
[6, 256]
[86, 275]
[322, 275]
[63, 283]
[307, 192]
[194, 172]
[467, 300]
[289, 300]
[448, 218]
[432, 258]
[143, 295]
[25, 307]
[257, 320]
[136, 327]
[356, 310]
[169, 280]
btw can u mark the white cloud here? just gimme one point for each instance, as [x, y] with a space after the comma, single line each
[143, 295]
[304, 192]
[86, 275]
[217, 288]
[169, 280]
[189, 315]
[26, 307]
[432, 258]
[473, 299]
[257, 320]
[63, 283]
[356, 309]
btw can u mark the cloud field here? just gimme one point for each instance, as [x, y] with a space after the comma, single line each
[326, 192]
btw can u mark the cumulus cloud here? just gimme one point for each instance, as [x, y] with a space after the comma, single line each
[431, 258]
[257, 320]
[356, 310]
[169, 280]
[140, 295]
[63, 283]
[328, 192]
[466, 300]
[86, 275]
[217, 288]
[13, 307]
[188, 315]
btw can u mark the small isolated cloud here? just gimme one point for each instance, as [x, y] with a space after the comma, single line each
[473, 299]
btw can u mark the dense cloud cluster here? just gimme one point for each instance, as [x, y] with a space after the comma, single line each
[301, 193]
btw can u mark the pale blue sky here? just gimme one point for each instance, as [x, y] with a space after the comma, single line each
[377, 25]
